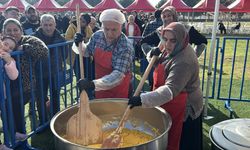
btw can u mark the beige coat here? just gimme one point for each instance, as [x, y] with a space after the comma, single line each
[69, 35]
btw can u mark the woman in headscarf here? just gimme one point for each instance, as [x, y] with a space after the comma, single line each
[176, 85]
[33, 50]
[169, 15]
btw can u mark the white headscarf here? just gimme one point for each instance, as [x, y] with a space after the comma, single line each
[112, 15]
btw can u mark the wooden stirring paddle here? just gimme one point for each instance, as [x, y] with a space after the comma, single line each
[83, 127]
[114, 139]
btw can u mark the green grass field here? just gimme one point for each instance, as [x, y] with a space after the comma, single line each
[216, 109]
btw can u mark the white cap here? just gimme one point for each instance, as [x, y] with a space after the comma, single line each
[112, 15]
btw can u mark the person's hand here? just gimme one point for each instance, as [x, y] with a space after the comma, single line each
[6, 57]
[1, 44]
[134, 101]
[85, 84]
[4, 46]
[78, 38]
[155, 52]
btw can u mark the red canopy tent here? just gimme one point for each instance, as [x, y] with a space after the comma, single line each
[18, 3]
[178, 4]
[208, 5]
[48, 5]
[1, 7]
[240, 6]
[138, 5]
[83, 5]
[107, 4]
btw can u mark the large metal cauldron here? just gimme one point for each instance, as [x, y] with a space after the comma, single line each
[232, 134]
[110, 111]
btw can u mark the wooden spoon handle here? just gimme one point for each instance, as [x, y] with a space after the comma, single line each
[145, 75]
[80, 44]
[137, 92]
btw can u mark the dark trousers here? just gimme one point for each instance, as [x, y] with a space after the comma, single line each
[223, 31]
[191, 138]
[18, 108]
[42, 96]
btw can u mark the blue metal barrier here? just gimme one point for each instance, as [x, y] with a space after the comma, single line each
[65, 81]
[204, 61]
[7, 113]
[61, 77]
[234, 80]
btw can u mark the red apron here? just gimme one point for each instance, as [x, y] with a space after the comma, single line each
[103, 66]
[176, 108]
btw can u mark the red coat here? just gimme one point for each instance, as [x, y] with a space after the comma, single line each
[137, 31]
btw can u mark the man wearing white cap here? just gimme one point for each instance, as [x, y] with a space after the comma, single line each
[113, 55]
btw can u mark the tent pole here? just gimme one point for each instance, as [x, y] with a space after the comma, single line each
[192, 16]
[212, 48]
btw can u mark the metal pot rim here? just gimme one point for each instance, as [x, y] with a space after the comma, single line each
[161, 110]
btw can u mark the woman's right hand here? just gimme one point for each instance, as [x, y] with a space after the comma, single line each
[155, 52]
[134, 101]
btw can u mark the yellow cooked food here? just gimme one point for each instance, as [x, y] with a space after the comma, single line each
[129, 138]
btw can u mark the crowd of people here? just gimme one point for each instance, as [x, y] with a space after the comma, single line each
[107, 43]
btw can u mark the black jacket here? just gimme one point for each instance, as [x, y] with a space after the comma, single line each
[57, 55]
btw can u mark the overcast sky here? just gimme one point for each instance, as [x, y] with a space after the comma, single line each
[153, 2]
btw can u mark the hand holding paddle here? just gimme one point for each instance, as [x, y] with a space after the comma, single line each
[84, 127]
[114, 140]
